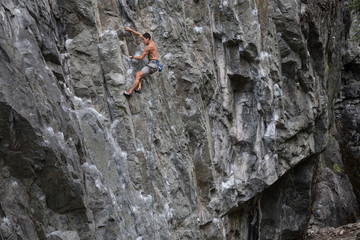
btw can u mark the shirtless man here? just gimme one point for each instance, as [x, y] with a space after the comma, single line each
[151, 67]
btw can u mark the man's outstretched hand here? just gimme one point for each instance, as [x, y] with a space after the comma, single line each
[134, 32]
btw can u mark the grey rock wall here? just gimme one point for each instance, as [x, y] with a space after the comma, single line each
[250, 132]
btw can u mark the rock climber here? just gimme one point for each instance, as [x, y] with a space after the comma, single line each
[153, 64]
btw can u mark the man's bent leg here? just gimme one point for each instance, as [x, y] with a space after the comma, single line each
[146, 71]
[139, 75]
[139, 86]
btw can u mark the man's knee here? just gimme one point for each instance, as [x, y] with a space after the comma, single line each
[140, 74]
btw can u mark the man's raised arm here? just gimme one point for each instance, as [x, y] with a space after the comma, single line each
[135, 32]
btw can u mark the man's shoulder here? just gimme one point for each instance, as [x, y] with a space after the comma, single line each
[151, 46]
[152, 43]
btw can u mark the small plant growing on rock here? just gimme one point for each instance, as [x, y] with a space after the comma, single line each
[355, 5]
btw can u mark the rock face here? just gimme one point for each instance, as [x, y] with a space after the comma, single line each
[250, 131]
[346, 232]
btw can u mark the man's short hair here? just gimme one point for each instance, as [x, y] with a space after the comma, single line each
[147, 35]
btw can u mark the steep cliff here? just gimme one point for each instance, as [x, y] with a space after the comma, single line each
[250, 131]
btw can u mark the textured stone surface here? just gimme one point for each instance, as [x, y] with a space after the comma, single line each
[346, 232]
[250, 132]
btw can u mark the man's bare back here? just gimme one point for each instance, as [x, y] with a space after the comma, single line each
[152, 51]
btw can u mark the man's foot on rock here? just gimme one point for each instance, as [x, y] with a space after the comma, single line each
[127, 94]
[138, 91]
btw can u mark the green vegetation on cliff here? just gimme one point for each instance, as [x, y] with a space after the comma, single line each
[355, 5]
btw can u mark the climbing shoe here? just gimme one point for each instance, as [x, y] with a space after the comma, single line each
[137, 91]
[127, 94]
[160, 67]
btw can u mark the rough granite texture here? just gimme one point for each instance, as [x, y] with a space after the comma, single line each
[251, 131]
